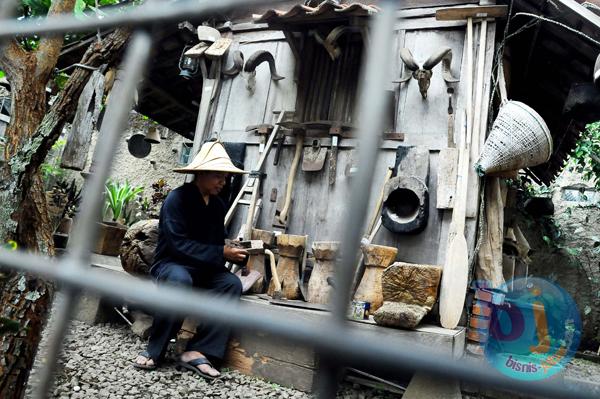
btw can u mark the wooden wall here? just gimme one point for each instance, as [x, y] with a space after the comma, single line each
[318, 208]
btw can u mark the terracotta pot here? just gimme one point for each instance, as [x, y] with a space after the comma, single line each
[376, 259]
[64, 227]
[60, 240]
[110, 237]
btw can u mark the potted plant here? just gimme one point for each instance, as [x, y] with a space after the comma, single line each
[116, 216]
[72, 195]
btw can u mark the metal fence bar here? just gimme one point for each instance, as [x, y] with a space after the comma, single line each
[347, 345]
[370, 108]
[117, 112]
[335, 340]
[142, 15]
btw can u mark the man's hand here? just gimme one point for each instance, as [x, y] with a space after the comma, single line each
[235, 255]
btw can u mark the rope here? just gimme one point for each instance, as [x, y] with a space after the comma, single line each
[596, 42]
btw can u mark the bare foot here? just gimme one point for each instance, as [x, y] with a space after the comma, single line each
[144, 361]
[205, 368]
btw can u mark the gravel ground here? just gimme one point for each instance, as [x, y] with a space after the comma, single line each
[97, 364]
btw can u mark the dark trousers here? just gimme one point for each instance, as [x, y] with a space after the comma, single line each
[209, 339]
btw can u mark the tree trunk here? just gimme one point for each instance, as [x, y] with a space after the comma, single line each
[24, 300]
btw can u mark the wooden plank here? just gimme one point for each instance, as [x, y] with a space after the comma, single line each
[282, 94]
[218, 48]
[75, 153]
[473, 200]
[249, 355]
[446, 187]
[489, 265]
[247, 107]
[259, 36]
[426, 23]
[197, 51]
[462, 13]
[425, 121]
[431, 3]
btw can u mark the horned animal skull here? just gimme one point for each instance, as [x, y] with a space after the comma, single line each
[423, 73]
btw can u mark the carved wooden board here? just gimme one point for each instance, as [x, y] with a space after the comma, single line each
[88, 108]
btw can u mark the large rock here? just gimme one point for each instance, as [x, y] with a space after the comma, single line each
[398, 314]
[411, 283]
[137, 250]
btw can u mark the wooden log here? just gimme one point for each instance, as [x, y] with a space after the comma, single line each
[489, 265]
[376, 258]
[137, 249]
[411, 283]
[319, 290]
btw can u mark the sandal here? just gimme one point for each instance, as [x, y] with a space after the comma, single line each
[145, 366]
[192, 365]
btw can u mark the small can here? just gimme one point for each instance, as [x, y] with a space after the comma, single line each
[359, 310]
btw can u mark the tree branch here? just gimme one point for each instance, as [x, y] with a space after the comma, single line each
[11, 57]
[49, 49]
[105, 52]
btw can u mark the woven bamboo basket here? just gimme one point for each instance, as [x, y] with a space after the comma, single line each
[519, 139]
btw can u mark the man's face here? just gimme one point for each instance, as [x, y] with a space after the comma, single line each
[212, 182]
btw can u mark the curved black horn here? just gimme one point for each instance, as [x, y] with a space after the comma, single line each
[408, 59]
[445, 55]
[436, 57]
[238, 64]
[258, 58]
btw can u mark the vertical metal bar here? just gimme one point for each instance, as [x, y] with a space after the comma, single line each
[370, 109]
[7, 8]
[84, 230]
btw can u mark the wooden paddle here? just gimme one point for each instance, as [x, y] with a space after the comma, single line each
[456, 265]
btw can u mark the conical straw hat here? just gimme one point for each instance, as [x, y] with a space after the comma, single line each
[211, 157]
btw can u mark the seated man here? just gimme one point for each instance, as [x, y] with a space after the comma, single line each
[191, 252]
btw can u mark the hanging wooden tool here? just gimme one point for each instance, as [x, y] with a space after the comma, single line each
[248, 184]
[281, 216]
[455, 274]
[336, 129]
[314, 157]
[456, 266]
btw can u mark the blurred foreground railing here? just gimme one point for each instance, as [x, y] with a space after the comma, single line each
[336, 342]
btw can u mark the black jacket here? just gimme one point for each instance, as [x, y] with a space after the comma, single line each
[191, 233]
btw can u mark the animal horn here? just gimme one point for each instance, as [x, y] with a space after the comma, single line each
[436, 57]
[408, 59]
[238, 64]
[445, 55]
[258, 58]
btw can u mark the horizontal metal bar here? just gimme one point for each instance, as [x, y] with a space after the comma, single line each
[146, 14]
[347, 345]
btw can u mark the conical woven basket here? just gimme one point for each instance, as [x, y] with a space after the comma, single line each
[519, 139]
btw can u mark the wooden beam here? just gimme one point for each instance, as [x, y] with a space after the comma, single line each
[462, 13]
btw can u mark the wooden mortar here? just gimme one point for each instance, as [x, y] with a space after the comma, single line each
[376, 258]
[257, 261]
[325, 253]
[291, 249]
